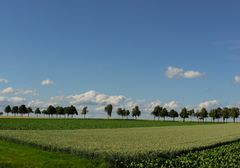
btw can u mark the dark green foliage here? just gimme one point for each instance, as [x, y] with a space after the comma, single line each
[136, 112]
[59, 110]
[225, 113]
[203, 114]
[156, 112]
[234, 113]
[7, 109]
[84, 111]
[184, 114]
[173, 114]
[51, 110]
[223, 156]
[163, 113]
[22, 109]
[108, 109]
[37, 111]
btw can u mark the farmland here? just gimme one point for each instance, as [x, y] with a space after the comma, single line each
[60, 124]
[118, 142]
[126, 143]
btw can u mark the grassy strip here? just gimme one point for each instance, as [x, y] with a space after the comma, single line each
[60, 124]
[18, 156]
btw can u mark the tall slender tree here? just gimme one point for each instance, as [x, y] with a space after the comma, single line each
[84, 111]
[108, 109]
[15, 110]
[184, 114]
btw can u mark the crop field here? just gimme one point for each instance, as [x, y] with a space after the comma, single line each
[223, 156]
[122, 143]
[60, 124]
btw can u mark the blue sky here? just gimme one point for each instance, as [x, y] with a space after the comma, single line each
[121, 48]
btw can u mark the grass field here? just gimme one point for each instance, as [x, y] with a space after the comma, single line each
[14, 155]
[127, 141]
[60, 124]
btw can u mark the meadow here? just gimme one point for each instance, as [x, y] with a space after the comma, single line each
[14, 155]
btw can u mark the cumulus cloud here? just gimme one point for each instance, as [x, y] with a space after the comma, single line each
[47, 82]
[208, 104]
[10, 90]
[237, 79]
[171, 105]
[12, 100]
[95, 98]
[174, 72]
[2, 80]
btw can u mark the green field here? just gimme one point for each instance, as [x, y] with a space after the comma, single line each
[60, 124]
[14, 155]
[222, 156]
[128, 141]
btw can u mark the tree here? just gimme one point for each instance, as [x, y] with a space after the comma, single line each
[15, 110]
[156, 111]
[51, 110]
[184, 114]
[7, 109]
[203, 113]
[225, 113]
[218, 113]
[84, 111]
[234, 113]
[22, 110]
[37, 111]
[191, 113]
[120, 112]
[45, 112]
[29, 110]
[136, 112]
[213, 114]
[108, 109]
[59, 110]
[163, 113]
[67, 110]
[74, 110]
[173, 114]
[126, 113]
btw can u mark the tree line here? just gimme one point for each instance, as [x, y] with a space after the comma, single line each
[158, 112]
[215, 114]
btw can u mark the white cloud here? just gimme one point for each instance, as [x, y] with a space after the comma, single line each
[174, 72]
[171, 105]
[208, 104]
[2, 80]
[237, 78]
[95, 98]
[12, 101]
[10, 90]
[47, 82]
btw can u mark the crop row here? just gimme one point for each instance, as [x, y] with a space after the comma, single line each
[222, 156]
